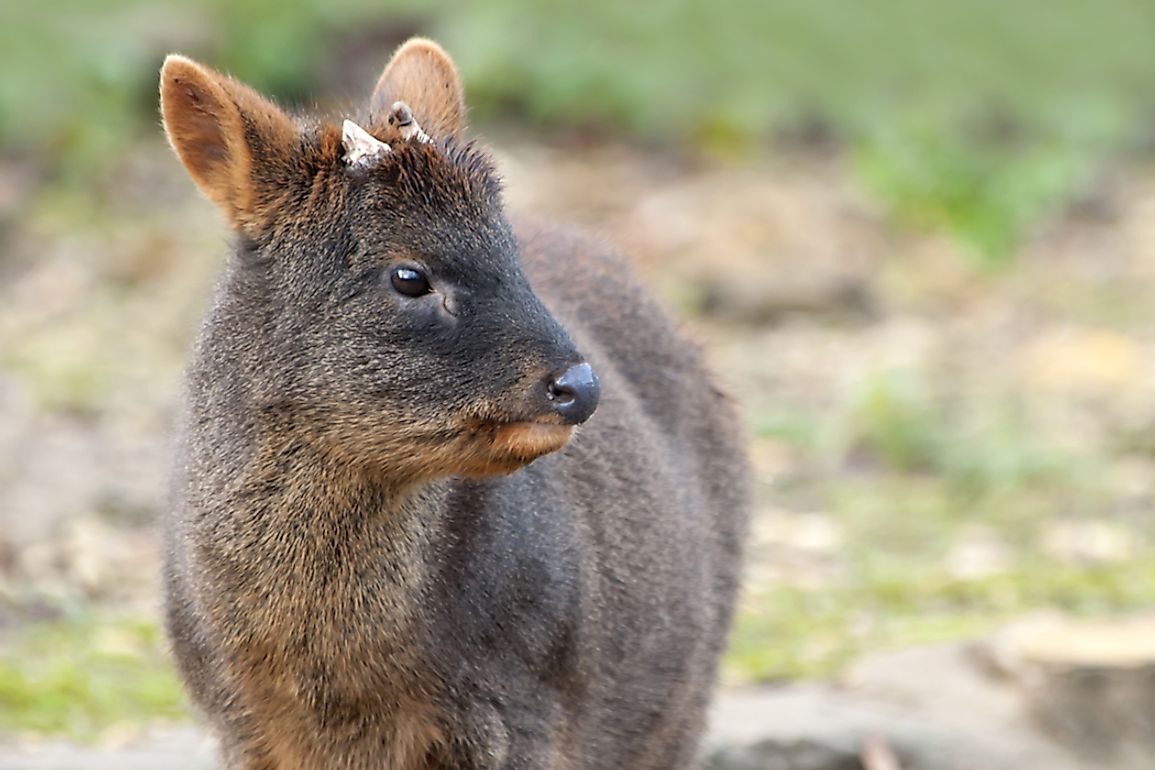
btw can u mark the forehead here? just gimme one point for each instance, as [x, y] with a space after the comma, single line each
[441, 199]
[449, 178]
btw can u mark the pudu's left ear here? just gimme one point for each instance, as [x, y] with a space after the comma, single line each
[424, 78]
[237, 146]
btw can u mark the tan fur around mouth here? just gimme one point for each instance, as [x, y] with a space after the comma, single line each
[530, 439]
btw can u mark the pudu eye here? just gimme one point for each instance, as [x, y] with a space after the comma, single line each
[410, 282]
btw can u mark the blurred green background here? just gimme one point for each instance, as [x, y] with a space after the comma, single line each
[917, 238]
[974, 115]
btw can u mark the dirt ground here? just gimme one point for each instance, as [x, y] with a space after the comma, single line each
[915, 420]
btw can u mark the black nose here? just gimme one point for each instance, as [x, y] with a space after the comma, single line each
[575, 392]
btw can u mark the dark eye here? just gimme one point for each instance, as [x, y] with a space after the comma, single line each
[410, 282]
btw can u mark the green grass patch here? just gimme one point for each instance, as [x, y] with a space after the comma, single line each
[790, 633]
[987, 191]
[77, 678]
[908, 472]
[976, 117]
[903, 425]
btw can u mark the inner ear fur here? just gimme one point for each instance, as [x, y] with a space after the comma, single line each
[234, 142]
[423, 76]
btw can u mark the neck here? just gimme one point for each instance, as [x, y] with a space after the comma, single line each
[319, 568]
[304, 530]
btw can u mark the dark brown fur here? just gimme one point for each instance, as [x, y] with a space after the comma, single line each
[384, 549]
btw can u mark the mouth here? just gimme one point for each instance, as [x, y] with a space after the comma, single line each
[498, 445]
[527, 440]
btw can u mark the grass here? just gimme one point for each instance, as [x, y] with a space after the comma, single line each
[84, 676]
[789, 633]
[980, 447]
[908, 474]
[986, 191]
[978, 118]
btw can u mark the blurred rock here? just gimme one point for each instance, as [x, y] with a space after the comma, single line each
[816, 727]
[178, 749]
[1053, 694]
[1089, 684]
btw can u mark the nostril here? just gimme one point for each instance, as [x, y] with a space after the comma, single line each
[560, 393]
[574, 392]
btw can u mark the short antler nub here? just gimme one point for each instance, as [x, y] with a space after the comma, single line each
[361, 147]
[402, 118]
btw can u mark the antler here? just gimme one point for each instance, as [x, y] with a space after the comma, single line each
[402, 117]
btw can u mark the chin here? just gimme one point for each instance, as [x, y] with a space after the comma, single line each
[501, 448]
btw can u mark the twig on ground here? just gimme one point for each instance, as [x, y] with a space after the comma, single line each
[877, 755]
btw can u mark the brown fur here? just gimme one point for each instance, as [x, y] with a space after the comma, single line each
[216, 125]
[386, 549]
[425, 78]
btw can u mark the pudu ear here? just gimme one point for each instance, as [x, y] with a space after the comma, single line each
[421, 75]
[235, 144]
